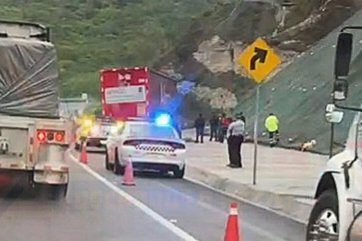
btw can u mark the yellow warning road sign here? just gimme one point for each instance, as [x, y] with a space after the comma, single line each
[259, 60]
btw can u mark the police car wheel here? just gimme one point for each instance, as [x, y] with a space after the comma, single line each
[77, 147]
[179, 173]
[324, 219]
[106, 161]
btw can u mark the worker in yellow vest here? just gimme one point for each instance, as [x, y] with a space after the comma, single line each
[85, 124]
[272, 126]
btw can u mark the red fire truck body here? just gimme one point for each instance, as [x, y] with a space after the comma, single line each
[134, 92]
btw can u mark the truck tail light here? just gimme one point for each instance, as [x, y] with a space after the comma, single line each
[59, 136]
[41, 135]
[50, 136]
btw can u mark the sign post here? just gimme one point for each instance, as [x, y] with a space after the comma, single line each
[259, 60]
[256, 132]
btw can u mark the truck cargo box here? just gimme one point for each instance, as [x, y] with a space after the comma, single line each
[134, 92]
[28, 77]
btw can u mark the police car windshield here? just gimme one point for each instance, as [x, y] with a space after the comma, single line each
[150, 130]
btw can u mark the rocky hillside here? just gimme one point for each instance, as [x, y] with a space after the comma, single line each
[209, 50]
[201, 41]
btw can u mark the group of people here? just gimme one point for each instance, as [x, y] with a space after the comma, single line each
[218, 127]
[223, 127]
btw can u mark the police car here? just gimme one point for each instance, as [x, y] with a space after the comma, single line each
[151, 145]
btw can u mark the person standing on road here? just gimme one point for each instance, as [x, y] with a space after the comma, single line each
[225, 122]
[214, 126]
[272, 126]
[219, 119]
[200, 127]
[235, 137]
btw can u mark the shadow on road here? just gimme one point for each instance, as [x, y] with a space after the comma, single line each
[152, 175]
[21, 193]
[18, 189]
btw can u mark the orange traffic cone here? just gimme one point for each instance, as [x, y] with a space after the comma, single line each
[128, 179]
[83, 154]
[232, 227]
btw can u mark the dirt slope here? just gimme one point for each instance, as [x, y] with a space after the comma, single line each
[297, 92]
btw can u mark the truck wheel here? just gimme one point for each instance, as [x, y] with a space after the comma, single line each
[179, 173]
[53, 192]
[117, 169]
[323, 222]
[65, 190]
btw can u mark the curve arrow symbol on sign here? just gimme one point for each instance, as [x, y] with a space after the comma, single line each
[260, 54]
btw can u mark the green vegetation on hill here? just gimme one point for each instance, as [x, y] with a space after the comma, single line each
[95, 34]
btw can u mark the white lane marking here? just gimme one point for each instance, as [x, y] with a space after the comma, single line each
[244, 224]
[158, 218]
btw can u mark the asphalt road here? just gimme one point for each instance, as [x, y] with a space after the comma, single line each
[99, 208]
[199, 211]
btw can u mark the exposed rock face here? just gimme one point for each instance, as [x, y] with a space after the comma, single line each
[218, 98]
[209, 53]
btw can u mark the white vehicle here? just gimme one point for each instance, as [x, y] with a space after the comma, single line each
[337, 214]
[150, 146]
[99, 132]
[33, 138]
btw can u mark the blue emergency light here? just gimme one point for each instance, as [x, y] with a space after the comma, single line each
[163, 119]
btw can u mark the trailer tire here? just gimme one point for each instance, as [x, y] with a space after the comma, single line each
[61, 192]
[65, 190]
[55, 192]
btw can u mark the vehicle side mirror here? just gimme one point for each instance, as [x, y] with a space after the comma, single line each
[343, 55]
[340, 89]
[341, 65]
[333, 116]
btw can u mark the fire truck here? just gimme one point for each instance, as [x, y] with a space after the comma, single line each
[134, 92]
